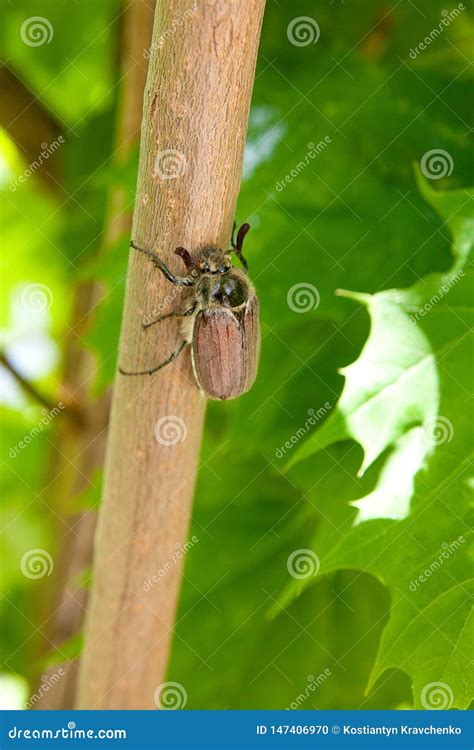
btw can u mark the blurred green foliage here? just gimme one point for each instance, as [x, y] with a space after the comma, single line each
[354, 218]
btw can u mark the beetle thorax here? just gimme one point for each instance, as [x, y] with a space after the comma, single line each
[229, 290]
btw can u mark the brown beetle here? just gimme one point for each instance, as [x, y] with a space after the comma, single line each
[221, 325]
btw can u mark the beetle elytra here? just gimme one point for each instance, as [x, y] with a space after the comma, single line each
[221, 324]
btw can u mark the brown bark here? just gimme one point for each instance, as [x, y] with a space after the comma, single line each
[195, 119]
[82, 449]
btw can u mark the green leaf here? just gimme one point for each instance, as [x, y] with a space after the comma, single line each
[352, 218]
[406, 395]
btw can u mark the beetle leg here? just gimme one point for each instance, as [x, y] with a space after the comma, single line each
[180, 280]
[151, 370]
[170, 315]
[237, 244]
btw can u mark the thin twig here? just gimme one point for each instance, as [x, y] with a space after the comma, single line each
[25, 384]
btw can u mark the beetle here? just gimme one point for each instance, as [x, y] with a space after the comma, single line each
[222, 323]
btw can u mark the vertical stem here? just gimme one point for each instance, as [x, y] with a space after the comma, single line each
[82, 447]
[197, 100]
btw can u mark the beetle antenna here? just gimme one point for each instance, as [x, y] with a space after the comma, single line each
[237, 245]
[184, 254]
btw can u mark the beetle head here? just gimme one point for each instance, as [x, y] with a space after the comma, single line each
[213, 261]
[209, 261]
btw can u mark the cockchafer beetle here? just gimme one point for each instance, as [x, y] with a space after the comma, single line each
[222, 323]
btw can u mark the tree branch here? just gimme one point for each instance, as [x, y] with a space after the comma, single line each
[29, 124]
[195, 119]
[25, 384]
[82, 451]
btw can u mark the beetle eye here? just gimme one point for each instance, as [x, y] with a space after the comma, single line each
[223, 269]
[206, 268]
